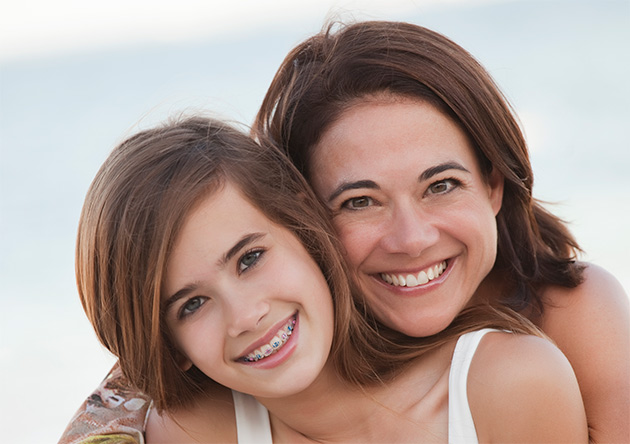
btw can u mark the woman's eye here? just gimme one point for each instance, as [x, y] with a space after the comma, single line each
[357, 203]
[191, 306]
[248, 260]
[443, 186]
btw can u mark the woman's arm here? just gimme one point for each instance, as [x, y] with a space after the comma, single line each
[114, 412]
[522, 389]
[591, 325]
[210, 420]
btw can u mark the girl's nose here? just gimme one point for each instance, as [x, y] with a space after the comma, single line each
[245, 314]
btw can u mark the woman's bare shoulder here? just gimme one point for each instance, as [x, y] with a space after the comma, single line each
[210, 420]
[591, 325]
[522, 388]
[600, 292]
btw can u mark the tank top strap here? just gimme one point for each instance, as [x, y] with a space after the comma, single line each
[461, 427]
[252, 420]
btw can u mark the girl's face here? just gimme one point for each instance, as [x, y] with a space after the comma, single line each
[412, 209]
[244, 300]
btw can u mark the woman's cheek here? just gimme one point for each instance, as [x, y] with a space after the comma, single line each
[358, 240]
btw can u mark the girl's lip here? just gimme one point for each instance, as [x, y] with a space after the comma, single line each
[280, 356]
[267, 337]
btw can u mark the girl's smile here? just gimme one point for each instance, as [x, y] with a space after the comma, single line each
[269, 347]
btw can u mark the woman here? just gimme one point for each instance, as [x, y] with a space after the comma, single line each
[422, 163]
[206, 264]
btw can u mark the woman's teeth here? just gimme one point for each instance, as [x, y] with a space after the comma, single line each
[413, 280]
[276, 343]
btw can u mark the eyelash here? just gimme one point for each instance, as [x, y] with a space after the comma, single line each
[183, 313]
[346, 203]
[451, 183]
[185, 309]
[257, 251]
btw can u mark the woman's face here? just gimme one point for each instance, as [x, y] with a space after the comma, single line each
[244, 300]
[412, 209]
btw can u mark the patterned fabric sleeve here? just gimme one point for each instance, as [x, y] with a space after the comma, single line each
[115, 413]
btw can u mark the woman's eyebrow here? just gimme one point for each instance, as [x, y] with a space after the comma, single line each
[370, 184]
[437, 169]
[345, 186]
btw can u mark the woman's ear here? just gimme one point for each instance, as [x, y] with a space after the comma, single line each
[496, 183]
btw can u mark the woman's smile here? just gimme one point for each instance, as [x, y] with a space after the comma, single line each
[414, 279]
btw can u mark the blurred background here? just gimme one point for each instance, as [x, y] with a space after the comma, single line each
[77, 77]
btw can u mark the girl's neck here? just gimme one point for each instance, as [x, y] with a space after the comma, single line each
[322, 412]
[332, 410]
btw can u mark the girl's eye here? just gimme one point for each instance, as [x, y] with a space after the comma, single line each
[191, 306]
[443, 186]
[356, 203]
[249, 259]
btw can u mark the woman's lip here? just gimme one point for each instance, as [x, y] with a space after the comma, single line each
[267, 337]
[438, 280]
[416, 270]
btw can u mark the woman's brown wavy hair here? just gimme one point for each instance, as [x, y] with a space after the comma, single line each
[333, 70]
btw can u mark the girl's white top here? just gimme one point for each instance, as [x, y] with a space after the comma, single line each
[252, 418]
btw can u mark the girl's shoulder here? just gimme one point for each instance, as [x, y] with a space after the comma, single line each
[522, 388]
[210, 420]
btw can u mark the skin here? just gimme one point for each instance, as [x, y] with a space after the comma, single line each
[514, 381]
[591, 325]
[394, 220]
[422, 204]
[225, 298]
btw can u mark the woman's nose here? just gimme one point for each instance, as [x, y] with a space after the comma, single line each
[410, 231]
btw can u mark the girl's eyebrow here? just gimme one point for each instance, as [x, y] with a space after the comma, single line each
[245, 240]
[179, 294]
[238, 246]
[370, 184]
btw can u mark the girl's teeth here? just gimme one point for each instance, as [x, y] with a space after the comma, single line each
[411, 280]
[274, 345]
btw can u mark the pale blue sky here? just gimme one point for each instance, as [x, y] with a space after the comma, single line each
[75, 79]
